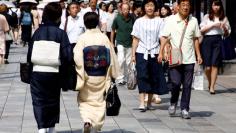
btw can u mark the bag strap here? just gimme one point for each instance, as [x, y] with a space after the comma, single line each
[184, 30]
[65, 27]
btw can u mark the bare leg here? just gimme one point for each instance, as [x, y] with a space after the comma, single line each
[214, 72]
[208, 75]
[149, 99]
[141, 98]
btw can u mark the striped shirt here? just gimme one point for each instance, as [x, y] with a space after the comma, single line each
[148, 32]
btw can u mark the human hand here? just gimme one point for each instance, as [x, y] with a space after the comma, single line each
[217, 25]
[160, 58]
[166, 57]
[199, 60]
[133, 59]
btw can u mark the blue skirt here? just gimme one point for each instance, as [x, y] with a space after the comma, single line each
[211, 50]
[150, 75]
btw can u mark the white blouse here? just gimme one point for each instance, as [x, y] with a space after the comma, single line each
[214, 31]
[148, 32]
[110, 19]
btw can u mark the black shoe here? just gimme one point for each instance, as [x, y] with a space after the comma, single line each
[142, 108]
[6, 62]
[212, 92]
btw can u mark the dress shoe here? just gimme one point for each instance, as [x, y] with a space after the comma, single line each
[142, 108]
[150, 107]
[212, 92]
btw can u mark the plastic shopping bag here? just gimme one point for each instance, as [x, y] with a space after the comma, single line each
[131, 79]
[198, 78]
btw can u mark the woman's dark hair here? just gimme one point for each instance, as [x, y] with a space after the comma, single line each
[52, 12]
[137, 4]
[91, 20]
[147, 1]
[108, 5]
[168, 11]
[221, 11]
[100, 5]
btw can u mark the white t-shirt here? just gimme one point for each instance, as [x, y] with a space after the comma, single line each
[174, 27]
[148, 32]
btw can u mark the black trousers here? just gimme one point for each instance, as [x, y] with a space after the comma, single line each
[181, 75]
[8, 44]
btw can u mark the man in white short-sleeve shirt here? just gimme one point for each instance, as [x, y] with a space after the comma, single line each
[72, 24]
[182, 74]
[93, 8]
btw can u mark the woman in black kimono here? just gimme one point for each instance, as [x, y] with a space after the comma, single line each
[46, 83]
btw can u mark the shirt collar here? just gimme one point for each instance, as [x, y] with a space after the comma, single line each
[179, 19]
[75, 18]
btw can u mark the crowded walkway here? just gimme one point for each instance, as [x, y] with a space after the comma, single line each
[210, 114]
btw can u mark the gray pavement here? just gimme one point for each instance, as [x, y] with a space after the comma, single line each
[210, 114]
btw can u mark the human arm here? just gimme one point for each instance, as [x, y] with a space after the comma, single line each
[226, 27]
[112, 37]
[134, 48]
[197, 50]
[164, 40]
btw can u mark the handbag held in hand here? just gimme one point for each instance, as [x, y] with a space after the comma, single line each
[112, 101]
[25, 72]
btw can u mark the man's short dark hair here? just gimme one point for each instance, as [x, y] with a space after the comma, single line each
[179, 1]
[91, 20]
[52, 12]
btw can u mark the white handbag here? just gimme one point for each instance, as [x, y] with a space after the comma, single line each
[46, 53]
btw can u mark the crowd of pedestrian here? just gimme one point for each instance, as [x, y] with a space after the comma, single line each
[101, 39]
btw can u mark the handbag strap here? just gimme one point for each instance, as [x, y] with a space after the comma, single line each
[65, 27]
[184, 30]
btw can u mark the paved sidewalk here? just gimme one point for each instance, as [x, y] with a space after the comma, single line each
[210, 114]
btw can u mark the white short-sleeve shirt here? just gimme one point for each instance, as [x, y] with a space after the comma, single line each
[102, 16]
[173, 29]
[73, 29]
[148, 32]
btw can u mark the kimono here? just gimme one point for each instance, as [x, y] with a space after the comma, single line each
[46, 86]
[91, 98]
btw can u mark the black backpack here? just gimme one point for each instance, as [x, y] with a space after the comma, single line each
[14, 18]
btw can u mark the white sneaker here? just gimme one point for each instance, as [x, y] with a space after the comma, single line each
[43, 130]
